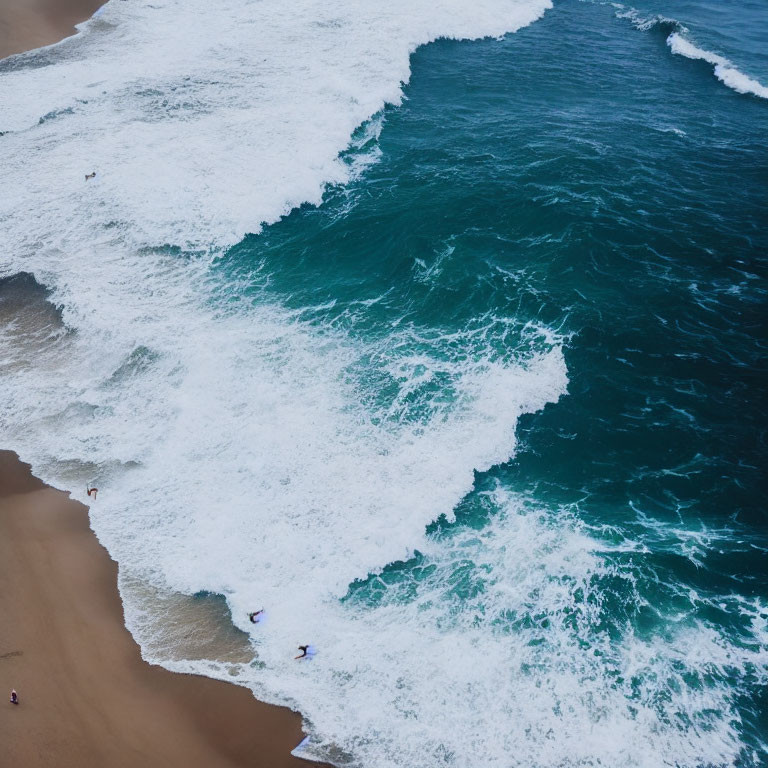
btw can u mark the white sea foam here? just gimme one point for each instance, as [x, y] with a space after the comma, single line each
[243, 451]
[725, 71]
[204, 121]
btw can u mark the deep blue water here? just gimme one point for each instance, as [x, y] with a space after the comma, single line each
[580, 177]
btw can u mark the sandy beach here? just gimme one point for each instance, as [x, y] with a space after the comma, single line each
[87, 698]
[26, 24]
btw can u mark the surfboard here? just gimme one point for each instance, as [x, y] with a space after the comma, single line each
[303, 743]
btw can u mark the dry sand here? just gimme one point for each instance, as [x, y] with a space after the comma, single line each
[87, 698]
[26, 24]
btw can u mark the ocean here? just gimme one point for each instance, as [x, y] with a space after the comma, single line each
[436, 330]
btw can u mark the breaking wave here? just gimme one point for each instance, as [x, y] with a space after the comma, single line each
[679, 44]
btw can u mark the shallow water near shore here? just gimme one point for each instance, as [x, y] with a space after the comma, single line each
[483, 419]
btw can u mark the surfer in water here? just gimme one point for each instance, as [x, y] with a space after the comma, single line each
[90, 175]
[303, 654]
[91, 491]
[254, 617]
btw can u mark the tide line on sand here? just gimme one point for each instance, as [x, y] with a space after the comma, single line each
[86, 696]
[25, 25]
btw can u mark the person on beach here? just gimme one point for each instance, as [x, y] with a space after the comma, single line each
[90, 175]
[14, 697]
[303, 654]
[254, 617]
[91, 491]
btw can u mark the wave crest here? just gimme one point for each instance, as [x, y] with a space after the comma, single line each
[679, 44]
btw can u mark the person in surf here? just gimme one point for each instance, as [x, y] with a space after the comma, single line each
[303, 654]
[90, 175]
[91, 491]
[254, 616]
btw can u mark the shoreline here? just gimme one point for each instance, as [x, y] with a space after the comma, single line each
[29, 24]
[86, 695]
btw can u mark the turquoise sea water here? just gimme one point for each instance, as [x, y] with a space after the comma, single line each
[577, 176]
[498, 568]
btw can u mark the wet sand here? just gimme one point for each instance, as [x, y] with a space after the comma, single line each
[87, 698]
[26, 24]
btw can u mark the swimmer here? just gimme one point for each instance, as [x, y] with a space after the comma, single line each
[254, 617]
[303, 654]
[90, 175]
[14, 697]
[91, 491]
